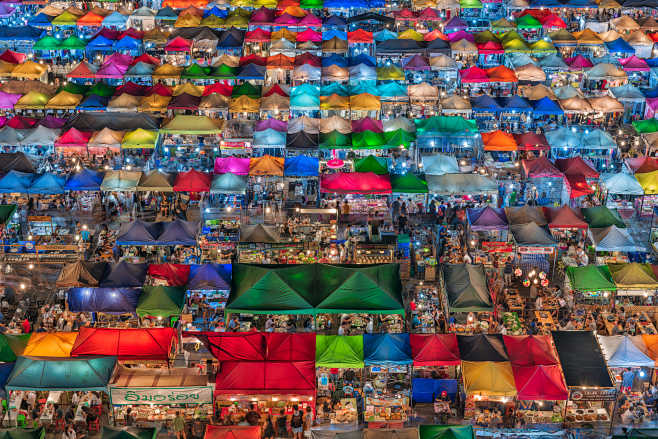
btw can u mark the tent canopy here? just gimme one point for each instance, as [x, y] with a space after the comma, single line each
[50, 344]
[434, 349]
[482, 348]
[126, 344]
[339, 351]
[591, 278]
[582, 370]
[488, 378]
[90, 374]
[621, 351]
[105, 300]
[161, 301]
[466, 288]
[386, 349]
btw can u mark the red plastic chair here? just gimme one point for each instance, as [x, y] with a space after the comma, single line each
[95, 425]
[60, 425]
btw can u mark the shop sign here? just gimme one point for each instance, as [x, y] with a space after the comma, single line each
[234, 145]
[529, 250]
[57, 248]
[161, 396]
[497, 247]
[602, 394]
[39, 219]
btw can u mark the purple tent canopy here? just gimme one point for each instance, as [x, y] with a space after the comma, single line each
[6, 10]
[487, 218]
[8, 100]
[274, 124]
[262, 16]
[234, 165]
[52, 122]
[415, 62]
[460, 35]
[367, 124]
[286, 18]
[111, 71]
[455, 23]
[119, 59]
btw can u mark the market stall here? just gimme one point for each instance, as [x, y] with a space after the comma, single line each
[466, 297]
[436, 361]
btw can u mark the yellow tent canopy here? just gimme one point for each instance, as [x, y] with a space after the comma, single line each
[32, 100]
[488, 378]
[165, 71]
[64, 101]
[410, 34]
[6, 68]
[188, 20]
[365, 102]
[189, 88]
[50, 344]
[154, 103]
[283, 34]
[244, 104]
[266, 165]
[106, 138]
[334, 102]
[214, 101]
[587, 36]
[140, 138]
[124, 102]
[649, 182]
[29, 70]
[193, 124]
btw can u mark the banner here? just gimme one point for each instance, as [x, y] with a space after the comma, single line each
[497, 247]
[161, 396]
[530, 250]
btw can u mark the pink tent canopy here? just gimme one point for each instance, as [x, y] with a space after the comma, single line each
[274, 124]
[262, 16]
[111, 71]
[179, 44]
[367, 124]
[310, 20]
[286, 19]
[234, 165]
[652, 106]
[8, 100]
[3, 121]
[309, 35]
[578, 62]
[355, 183]
[460, 35]
[474, 74]
[634, 64]
[119, 58]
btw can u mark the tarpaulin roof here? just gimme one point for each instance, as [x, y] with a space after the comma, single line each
[488, 378]
[266, 165]
[633, 276]
[192, 181]
[16, 182]
[340, 351]
[466, 288]
[259, 233]
[531, 234]
[460, 184]
[525, 214]
[355, 183]
[486, 218]
[209, 277]
[601, 216]
[581, 370]
[446, 432]
[408, 184]
[120, 181]
[266, 377]
[301, 166]
[622, 183]
[108, 300]
[50, 344]
[482, 348]
[81, 274]
[386, 349]
[621, 351]
[91, 374]
[540, 383]
[175, 275]
[85, 180]
[12, 346]
[434, 349]
[612, 238]
[228, 183]
[235, 165]
[161, 301]
[315, 288]
[156, 181]
[128, 344]
[531, 350]
[439, 164]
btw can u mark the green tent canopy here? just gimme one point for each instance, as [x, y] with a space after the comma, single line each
[466, 288]
[398, 138]
[408, 184]
[341, 351]
[224, 71]
[646, 126]
[316, 288]
[335, 140]
[445, 124]
[73, 43]
[528, 22]
[6, 212]
[246, 89]
[161, 301]
[101, 89]
[600, 216]
[368, 140]
[195, 71]
[74, 88]
[371, 163]
[128, 433]
[47, 43]
[446, 432]
[591, 278]
[12, 346]
[23, 433]
[470, 4]
[89, 374]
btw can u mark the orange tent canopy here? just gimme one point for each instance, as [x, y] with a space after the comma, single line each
[266, 165]
[499, 141]
[501, 74]
[182, 4]
[90, 19]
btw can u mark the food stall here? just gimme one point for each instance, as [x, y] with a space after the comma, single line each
[339, 369]
[489, 387]
[157, 395]
[635, 283]
[263, 244]
[208, 285]
[466, 297]
[386, 385]
[590, 283]
[436, 362]
[592, 393]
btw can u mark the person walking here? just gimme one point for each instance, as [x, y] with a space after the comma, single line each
[297, 422]
[179, 426]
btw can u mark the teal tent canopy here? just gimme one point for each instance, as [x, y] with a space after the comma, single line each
[89, 374]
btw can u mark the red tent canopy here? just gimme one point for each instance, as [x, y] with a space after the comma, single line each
[74, 137]
[232, 432]
[159, 89]
[531, 141]
[178, 44]
[564, 218]
[22, 122]
[275, 89]
[132, 89]
[434, 349]
[490, 47]
[218, 87]
[266, 377]
[576, 166]
[578, 186]
[146, 58]
[530, 350]
[359, 36]
[176, 275]
[355, 183]
[252, 58]
[540, 168]
[474, 74]
[192, 181]
[125, 344]
[643, 164]
[540, 383]
[257, 35]
[554, 21]
[258, 346]
[13, 57]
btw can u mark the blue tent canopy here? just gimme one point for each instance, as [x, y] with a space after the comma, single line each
[124, 274]
[108, 300]
[24, 33]
[301, 166]
[40, 20]
[100, 43]
[94, 102]
[386, 349]
[650, 92]
[231, 38]
[305, 101]
[252, 71]
[221, 13]
[135, 233]
[115, 20]
[485, 103]
[16, 182]
[334, 60]
[620, 351]
[362, 59]
[48, 184]
[652, 62]
[619, 46]
[270, 137]
[545, 106]
[210, 277]
[514, 103]
[85, 180]
[334, 33]
[366, 87]
[384, 35]
[89, 374]
[178, 232]
[166, 13]
[335, 20]
[5, 371]
[128, 43]
[427, 389]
